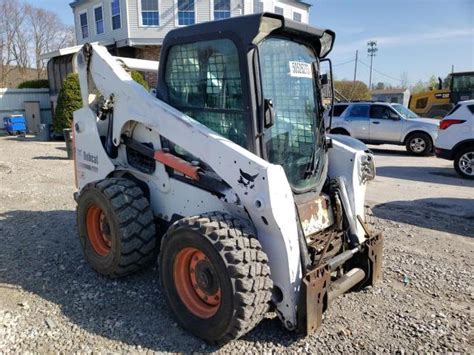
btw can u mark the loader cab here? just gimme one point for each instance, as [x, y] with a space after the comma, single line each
[254, 80]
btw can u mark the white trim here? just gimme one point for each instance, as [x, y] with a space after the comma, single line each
[96, 6]
[112, 15]
[140, 19]
[176, 19]
[80, 23]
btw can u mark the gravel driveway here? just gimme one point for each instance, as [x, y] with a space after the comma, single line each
[51, 301]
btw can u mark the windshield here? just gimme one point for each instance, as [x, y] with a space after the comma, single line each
[463, 82]
[402, 110]
[295, 141]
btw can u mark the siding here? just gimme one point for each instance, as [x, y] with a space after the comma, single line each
[134, 34]
[109, 36]
[13, 101]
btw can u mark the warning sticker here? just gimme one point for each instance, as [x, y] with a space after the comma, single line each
[300, 70]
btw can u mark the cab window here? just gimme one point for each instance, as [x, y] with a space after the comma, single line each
[204, 82]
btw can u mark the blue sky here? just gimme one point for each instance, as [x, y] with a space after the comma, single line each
[419, 37]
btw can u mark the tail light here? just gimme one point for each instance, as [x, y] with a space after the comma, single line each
[449, 122]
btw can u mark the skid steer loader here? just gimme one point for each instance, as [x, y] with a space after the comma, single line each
[226, 176]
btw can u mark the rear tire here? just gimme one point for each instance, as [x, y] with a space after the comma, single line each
[215, 276]
[419, 144]
[464, 162]
[116, 227]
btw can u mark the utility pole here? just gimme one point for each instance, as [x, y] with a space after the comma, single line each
[371, 51]
[452, 68]
[355, 67]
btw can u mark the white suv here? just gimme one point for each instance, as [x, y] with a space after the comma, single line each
[456, 138]
[385, 123]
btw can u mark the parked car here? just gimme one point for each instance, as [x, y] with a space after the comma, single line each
[385, 123]
[456, 138]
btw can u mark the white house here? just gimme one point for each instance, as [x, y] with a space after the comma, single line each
[136, 28]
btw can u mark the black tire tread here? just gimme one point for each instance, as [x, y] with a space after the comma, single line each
[135, 219]
[246, 263]
[429, 149]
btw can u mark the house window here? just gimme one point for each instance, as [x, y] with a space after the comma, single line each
[99, 20]
[296, 16]
[257, 6]
[150, 13]
[84, 27]
[221, 9]
[186, 14]
[115, 8]
[278, 10]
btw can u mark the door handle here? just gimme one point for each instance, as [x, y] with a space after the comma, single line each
[375, 122]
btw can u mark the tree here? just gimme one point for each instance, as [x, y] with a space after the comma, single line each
[138, 77]
[34, 84]
[27, 32]
[404, 80]
[352, 90]
[48, 34]
[380, 86]
[69, 100]
[419, 87]
[432, 82]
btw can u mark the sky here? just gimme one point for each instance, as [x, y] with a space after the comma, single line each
[418, 37]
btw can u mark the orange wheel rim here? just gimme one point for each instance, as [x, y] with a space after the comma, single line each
[197, 282]
[98, 230]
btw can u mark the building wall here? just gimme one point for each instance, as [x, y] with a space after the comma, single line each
[133, 33]
[12, 101]
[109, 36]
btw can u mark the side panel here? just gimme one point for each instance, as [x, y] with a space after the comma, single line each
[345, 161]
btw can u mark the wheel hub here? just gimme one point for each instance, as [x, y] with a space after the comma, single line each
[197, 282]
[466, 163]
[98, 230]
[418, 145]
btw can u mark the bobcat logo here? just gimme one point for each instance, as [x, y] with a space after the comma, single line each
[247, 180]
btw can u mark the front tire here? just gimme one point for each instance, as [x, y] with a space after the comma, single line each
[215, 276]
[464, 163]
[419, 144]
[116, 227]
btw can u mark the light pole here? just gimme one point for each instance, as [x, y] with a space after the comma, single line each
[371, 50]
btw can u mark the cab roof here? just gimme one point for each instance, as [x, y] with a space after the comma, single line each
[252, 29]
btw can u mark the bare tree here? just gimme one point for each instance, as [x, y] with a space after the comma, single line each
[11, 21]
[48, 34]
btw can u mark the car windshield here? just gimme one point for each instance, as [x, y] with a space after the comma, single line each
[295, 141]
[402, 110]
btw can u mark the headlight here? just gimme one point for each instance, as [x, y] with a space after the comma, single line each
[367, 168]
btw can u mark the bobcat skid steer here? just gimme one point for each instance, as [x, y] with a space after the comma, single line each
[226, 176]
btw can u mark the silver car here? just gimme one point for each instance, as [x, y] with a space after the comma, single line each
[385, 123]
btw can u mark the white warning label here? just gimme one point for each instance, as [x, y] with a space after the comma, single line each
[300, 70]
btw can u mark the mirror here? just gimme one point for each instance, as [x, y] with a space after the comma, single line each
[269, 114]
[324, 79]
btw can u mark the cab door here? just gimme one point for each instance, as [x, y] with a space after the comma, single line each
[384, 124]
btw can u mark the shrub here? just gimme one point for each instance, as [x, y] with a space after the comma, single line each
[138, 77]
[69, 100]
[34, 84]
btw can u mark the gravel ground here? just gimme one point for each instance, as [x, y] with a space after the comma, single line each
[51, 301]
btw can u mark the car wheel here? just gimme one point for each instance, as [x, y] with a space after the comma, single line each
[419, 144]
[464, 163]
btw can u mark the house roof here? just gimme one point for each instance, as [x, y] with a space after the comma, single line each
[388, 91]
